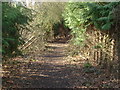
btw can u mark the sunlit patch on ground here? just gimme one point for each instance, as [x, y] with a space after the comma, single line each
[54, 69]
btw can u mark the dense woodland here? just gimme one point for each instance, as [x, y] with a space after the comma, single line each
[91, 30]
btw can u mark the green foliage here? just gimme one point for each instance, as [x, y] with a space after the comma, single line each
[98, 46]
[102, 14]
[87, 65]
[20, 24]
[78, 16]
[12, 17]
[48, 15]
[88, 68]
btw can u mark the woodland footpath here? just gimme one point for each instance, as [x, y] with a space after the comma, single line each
[60, 45]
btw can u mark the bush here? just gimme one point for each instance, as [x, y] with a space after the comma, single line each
[12, 18]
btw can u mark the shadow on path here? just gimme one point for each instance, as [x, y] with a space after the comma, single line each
[50, 70]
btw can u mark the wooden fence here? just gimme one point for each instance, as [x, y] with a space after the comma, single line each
[101, 48]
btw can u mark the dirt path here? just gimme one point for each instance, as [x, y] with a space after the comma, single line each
[44, 71]
[50, 70]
